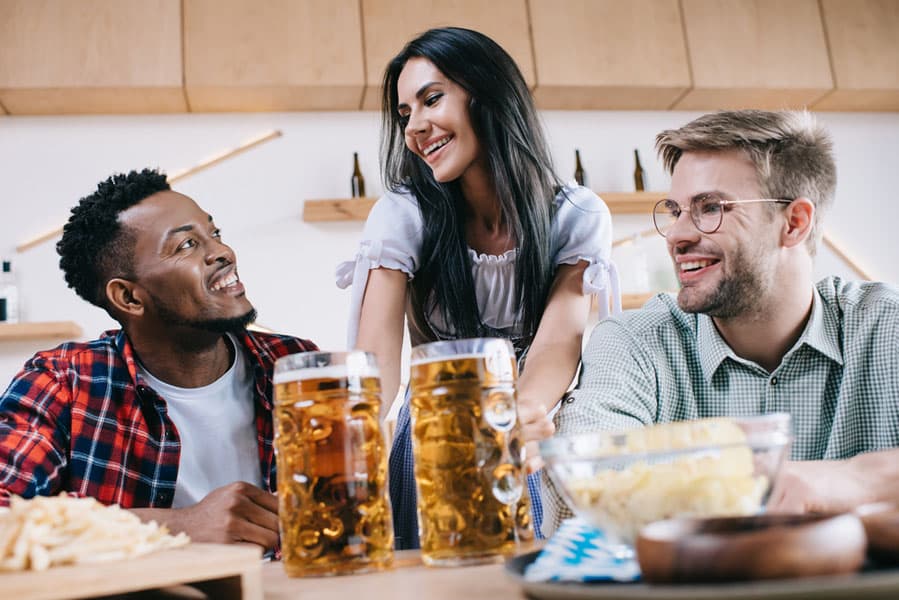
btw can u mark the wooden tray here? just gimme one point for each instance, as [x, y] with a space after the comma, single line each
[228, 572]
[870, 584]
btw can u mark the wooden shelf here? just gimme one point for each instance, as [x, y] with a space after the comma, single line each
[11, 332]
[338, 209]
[631, 203]
[357, 209]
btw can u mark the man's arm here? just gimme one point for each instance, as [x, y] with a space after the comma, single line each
[617, 384]
[34, 431]
[837, 485]
[237, 512]
[616, 390]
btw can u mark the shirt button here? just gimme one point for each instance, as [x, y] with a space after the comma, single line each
[169, 434]
[774, 380]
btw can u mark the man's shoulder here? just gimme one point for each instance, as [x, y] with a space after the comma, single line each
[660, 314]
[859, 299]
[77, 355]
[276, 345]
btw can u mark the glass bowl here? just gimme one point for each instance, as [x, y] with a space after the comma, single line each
[622, 481]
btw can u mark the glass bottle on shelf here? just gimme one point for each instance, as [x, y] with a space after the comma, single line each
[638, 173]
[579, 175]
[9, 291]
[357, 181]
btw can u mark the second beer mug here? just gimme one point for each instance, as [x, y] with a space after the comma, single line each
[332, 464]
[473, 504]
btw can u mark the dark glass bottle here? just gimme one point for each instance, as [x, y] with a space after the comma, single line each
[579, 175]
[638, 173]
[357, 182]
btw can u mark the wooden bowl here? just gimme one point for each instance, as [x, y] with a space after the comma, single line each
[745, 548]
[881, 522]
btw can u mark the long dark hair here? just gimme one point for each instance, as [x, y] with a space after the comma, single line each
[505, 121]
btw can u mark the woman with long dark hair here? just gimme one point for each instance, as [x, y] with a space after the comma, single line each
[475, 236]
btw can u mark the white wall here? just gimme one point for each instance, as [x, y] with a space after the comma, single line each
[48, 163]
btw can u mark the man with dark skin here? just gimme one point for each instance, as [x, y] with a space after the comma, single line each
[171, 415]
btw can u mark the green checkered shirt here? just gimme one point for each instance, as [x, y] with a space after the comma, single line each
[840, 381]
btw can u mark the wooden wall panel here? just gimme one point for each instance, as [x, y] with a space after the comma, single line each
[608, 54]
[273, 55]
[90, 56]
[389, 24]
[755, 54]
[863, 36]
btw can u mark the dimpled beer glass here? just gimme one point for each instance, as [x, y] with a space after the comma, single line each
[472, 499]
[332, 464]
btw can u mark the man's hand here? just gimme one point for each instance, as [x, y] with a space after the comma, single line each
[824, 486]
[535, 426]
[237, 512]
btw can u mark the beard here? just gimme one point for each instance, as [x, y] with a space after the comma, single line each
[213, 325]
[740, 292]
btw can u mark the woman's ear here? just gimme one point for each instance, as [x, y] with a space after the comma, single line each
[124, 297]
[800, 222]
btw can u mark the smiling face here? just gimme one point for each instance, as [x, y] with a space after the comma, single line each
[730, 272]
[187, 274]
[435, 111]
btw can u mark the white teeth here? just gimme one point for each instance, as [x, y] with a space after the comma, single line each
[436, 145]
[694, 264]
[223, 283]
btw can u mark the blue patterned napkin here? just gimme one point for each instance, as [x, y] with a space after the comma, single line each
[580, 552]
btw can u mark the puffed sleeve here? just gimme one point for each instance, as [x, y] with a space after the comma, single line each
[391, 239]
[582, 230]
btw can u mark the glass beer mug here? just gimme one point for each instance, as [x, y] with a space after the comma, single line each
[333, 505]
[473, 504]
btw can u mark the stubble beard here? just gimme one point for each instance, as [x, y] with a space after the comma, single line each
[213, 325]
[739, 293]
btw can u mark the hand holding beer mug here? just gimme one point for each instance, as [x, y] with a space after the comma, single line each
[473, 504]
[332, 464]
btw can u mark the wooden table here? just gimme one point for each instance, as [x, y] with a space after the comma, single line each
[408, 580]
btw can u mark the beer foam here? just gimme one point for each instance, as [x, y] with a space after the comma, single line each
[432, 359]
[330, 371]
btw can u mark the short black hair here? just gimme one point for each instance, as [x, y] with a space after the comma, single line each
[95, 247]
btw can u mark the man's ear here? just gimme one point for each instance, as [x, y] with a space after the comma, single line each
[125, 297]
[800, 220]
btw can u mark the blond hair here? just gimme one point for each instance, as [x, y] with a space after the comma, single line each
[792, 154]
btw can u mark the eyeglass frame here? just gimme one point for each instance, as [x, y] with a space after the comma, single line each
[721, 204]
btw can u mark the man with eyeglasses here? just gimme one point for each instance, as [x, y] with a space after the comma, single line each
[750, 332]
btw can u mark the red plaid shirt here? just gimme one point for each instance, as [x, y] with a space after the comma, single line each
[79, 418]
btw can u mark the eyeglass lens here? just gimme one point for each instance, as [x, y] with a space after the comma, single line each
[705, 212]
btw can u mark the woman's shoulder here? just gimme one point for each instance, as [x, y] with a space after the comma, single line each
[573, 198]
[395, 211]
[399, 201]
[582, 225]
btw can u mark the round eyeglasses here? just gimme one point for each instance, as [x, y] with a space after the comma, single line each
[706, 212]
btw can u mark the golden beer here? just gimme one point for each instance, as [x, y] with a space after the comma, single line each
[473, 504]
[332, 470]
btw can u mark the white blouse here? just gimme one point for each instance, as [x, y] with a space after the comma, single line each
[392, 238]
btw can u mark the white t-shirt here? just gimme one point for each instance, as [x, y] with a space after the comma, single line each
[392, 238]
[217, 427]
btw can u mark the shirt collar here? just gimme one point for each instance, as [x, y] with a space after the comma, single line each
[247, 342]
[712, 348]
[821, 333]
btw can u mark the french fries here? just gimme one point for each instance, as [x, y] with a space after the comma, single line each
[44, 532]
